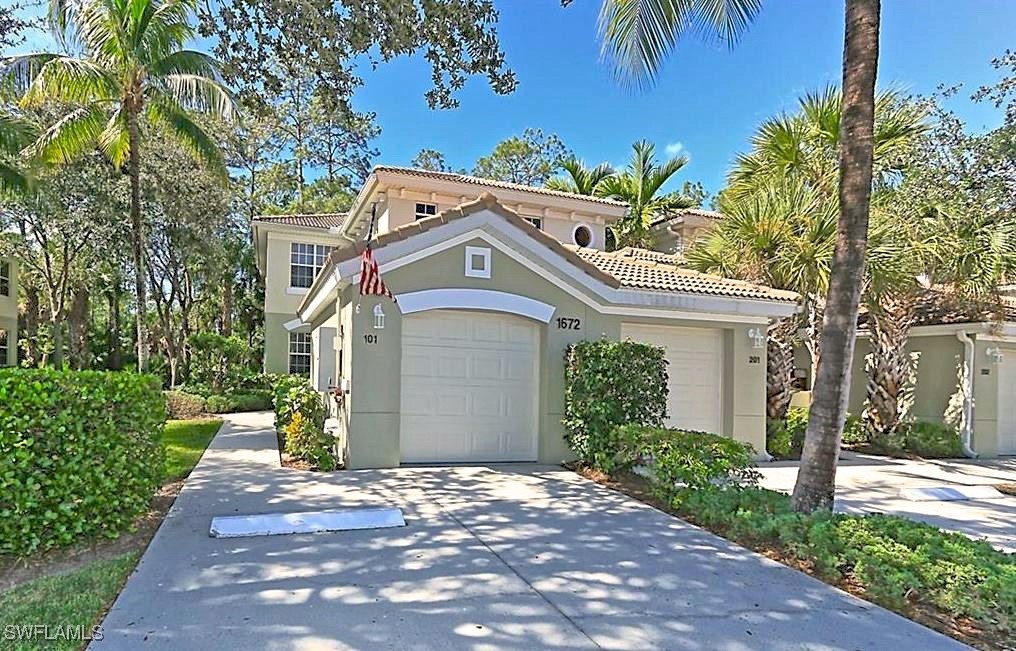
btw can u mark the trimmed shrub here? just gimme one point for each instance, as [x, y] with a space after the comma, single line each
[854, 431]
[898, 562]
[181, 405]
[932, 440]
[80, 454]
[609, 384]
[680, 458]
[282, 385]
[236, 401]
[785, 438]
[306, 440]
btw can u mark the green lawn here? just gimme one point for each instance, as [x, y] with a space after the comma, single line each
[185, 441]
[75, 599]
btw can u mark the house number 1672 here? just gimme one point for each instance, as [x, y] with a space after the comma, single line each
[568, 323]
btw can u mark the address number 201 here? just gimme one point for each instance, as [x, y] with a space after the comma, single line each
[568, 323]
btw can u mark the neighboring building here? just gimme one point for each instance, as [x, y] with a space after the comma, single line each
[8, 312]
[494, 280]
[291, 250]
[677, 231]
[954, 343]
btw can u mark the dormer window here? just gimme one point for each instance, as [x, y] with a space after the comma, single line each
[535, 221]
[424, 210]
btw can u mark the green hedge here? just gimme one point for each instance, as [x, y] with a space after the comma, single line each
[680, 458]
[236, 401]
[898, 563]
[609, 384]
[181, 405]
[80, 454]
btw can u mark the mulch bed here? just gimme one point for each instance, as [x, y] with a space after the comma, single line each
[16, 571]
[1008, 489]
[960, 628]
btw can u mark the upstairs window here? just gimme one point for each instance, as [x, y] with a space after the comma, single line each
[299, 353]
[305, 262]
[5, 282]
[424, 210]
[535, 221]
[4, 350]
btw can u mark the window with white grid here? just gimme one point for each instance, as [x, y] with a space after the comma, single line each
[299, 353]
[424, 210]
[5, 278]
[305, 262]
[4, 350]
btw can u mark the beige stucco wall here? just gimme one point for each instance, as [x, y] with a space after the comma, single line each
[397, 211]
[9, 317]
[374, 369]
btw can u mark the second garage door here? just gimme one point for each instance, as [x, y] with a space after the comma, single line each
[695, 371]
[469, 387]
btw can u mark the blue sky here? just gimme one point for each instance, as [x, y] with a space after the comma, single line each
[709, 98]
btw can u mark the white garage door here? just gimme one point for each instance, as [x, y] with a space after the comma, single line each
[695, 373]
[1007, 405]
[469, 387]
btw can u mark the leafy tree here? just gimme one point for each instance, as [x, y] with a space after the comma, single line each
[579, 179]
[430, 159]
[529, 159]
[265, 44]
[640, 185]
[340, 141]
[133, 67]
[696, 193]
[638, 37]
[16, 133]
[12, 25]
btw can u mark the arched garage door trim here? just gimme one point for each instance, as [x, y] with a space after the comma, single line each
[475, 299]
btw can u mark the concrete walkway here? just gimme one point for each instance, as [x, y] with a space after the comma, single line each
[497, 557]
[870, 484]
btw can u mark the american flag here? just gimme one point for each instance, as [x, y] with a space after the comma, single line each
[370, 278]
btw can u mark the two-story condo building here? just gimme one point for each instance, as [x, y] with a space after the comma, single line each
[493, 282]
[8, 312]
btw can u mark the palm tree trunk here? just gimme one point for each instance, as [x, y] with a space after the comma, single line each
[113, 361]
[890, 367]
[816, 480]
[780, 368]
[137, 238]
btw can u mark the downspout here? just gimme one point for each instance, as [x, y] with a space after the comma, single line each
[967, 426]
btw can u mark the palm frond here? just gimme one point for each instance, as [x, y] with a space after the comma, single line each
[166, 111]
[71, 80]
[70, 136]
[200, 93]
[638, 35]
[22, 69]
[114, 141]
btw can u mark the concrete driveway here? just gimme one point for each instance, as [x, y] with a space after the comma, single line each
[869, 484]
[498, 557]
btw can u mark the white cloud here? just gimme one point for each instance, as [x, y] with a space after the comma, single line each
[676, 149]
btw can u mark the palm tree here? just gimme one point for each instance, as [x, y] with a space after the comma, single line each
[579, 179]
[640, 185]
[638, 37]
[133, 67]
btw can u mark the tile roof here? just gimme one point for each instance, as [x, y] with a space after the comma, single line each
[492, 183]
[940, 307]
[627, 268]
[684, 212]
[641, 269]
[323, 221]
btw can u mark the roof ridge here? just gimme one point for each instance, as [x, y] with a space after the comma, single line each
[497, 183]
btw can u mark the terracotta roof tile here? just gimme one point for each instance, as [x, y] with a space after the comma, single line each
[492, 183]
[323, 221]
[683, 212]
[940, 307]
[642, 269]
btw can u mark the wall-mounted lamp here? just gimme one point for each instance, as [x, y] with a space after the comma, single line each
[757, 337]
[379, 318]
[995, 353]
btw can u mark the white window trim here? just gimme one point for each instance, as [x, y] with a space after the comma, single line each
[592, 235]
[299, 291]
[424, 214]
[483, 252]
[309, 354]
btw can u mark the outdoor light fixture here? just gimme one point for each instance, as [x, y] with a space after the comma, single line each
[757, 337]
[379, 317]
[995, 354]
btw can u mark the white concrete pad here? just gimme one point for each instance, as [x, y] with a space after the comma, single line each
[950, 493]
[274, 524]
